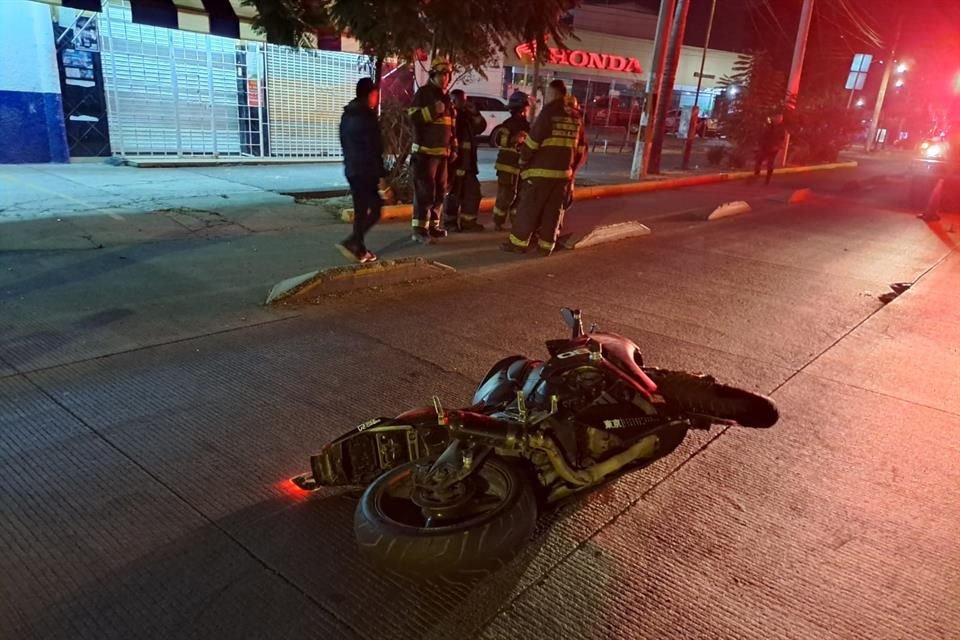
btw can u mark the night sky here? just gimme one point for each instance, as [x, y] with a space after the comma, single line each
[930, 41]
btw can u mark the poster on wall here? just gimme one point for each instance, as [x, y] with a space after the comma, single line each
[78, 65]
[88, 38]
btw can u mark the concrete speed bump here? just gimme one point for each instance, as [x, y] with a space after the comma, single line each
[800, 196]
[729, 209]
[312, 287]
[606, 233]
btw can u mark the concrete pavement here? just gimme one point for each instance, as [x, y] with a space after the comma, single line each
[150, 413]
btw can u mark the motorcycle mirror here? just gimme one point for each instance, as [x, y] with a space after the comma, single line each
[572, 318]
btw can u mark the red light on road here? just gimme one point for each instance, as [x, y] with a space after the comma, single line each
[290, 489]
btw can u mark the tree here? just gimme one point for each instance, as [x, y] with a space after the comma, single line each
[820, 125]
[469, 32]
[758, 89]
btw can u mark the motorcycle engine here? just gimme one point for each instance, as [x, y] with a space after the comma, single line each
[582, 386]
[606, 418]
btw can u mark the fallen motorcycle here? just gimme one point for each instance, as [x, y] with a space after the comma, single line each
[457, 491]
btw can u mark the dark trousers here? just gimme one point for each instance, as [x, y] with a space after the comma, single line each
[538, 211]
[768, 156]
[463, 201]
[366, 208]
[429, 189]
[506, 204]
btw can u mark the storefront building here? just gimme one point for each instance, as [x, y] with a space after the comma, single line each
[140, 78]
[123, 78]
[598, 67]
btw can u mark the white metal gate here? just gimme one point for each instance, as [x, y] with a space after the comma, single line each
[306, 92]
[177, 93]
[169, 92]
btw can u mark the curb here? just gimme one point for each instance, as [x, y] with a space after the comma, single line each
[309, 288]
[180, 163]
[399, 212]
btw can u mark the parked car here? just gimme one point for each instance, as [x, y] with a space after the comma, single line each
[617, 111]
[494, 111]
[936, 159]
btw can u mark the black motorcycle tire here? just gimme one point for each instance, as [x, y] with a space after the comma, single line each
[460, 551]
[698, 394]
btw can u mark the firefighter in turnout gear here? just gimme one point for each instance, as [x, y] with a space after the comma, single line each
[434, 147]
[549, 157]
[462, 205]
[510, 136]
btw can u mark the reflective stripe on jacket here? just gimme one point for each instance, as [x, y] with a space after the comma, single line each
[508, 138]
[469, 126]
[556, 144]
[433, 133]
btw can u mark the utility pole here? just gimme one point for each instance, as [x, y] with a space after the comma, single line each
[796, 69]
[641, 150]
[669, 78]
[882, 94]
[536, 85]
[695, 114]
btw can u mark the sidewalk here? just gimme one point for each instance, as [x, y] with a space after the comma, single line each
[97, 187]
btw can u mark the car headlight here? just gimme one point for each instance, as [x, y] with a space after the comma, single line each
[935, 150]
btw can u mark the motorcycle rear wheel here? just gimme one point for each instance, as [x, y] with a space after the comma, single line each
[393, 533]
[703, 395]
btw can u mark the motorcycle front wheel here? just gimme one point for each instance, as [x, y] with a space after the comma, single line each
[491, 527]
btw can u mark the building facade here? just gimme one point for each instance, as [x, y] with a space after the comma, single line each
[113, 83]
[598, 67]
[125, 78]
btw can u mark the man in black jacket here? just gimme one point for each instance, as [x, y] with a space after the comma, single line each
[363, 165]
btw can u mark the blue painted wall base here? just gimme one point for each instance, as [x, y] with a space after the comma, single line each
[33, 128]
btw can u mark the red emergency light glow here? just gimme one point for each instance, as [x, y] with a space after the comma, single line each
[582, 59]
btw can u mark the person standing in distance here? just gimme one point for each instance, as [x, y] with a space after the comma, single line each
[548, 158]
[363, 164]
[462, 205]
[771, 141]
[434, 147]
[510, 135]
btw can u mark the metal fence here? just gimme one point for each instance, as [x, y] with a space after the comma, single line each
[177, 93]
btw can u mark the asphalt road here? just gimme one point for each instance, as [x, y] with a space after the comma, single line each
[150, 414]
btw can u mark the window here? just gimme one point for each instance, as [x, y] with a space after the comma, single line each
[487, 104]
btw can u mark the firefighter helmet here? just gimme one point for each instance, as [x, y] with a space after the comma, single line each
[439, 65]
[518, 100]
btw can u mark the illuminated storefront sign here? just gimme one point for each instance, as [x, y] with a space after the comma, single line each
[582, 59]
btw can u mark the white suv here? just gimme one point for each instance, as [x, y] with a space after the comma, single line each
[494, 111]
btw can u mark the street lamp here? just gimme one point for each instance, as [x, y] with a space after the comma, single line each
[861, 102]
[902, 67]
[900, 83]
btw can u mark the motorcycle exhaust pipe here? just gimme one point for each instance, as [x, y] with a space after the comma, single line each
[644, 448]
[469, 425]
